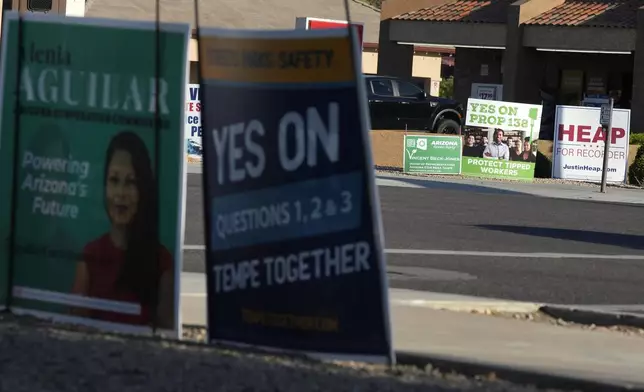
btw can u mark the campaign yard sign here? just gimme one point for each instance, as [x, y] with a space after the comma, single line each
[294, 237]
[432, 154]
[500, 139]
[94, 242]
[578, 151]
[193, 130]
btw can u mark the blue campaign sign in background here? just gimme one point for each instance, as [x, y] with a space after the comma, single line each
[295, 257]
[193, 128]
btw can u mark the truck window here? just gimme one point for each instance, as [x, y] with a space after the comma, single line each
[382, 87]
[406, 89]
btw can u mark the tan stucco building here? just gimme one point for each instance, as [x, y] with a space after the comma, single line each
[251, 14]
[428, 62]
[540, 51]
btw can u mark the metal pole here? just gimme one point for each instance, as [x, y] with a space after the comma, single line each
[607, 132]
[17, 124]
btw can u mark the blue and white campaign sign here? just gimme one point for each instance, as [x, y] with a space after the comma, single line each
[193, 128]
[294, 235]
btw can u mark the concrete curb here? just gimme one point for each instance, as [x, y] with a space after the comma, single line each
[513, 375]
[472, 306]
[566, 313]
[392, 172]
[596, 317]
[589, 195]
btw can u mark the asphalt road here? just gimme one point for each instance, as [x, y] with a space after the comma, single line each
[474, 219]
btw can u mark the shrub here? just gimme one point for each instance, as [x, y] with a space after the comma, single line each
[636, 171]
[637, 138]
[446, 88]
[374, 3]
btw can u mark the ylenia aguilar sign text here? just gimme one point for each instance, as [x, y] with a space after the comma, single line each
[295, 254]
[500, 139]
[87, 248]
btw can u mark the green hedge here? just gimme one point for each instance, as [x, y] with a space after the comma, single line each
[637, 138]
[636, 171]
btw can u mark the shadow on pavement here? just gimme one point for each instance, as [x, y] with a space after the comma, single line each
[632, 241]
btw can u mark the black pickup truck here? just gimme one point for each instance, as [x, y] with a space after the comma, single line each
[395, 103]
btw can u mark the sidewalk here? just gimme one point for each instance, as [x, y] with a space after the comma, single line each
[488, 342]
[542, 189]
[603, 357]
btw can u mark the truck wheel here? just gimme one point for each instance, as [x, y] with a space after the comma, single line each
[448, 126]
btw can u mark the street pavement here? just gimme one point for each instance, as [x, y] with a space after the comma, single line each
[486, 239]
[468, 245]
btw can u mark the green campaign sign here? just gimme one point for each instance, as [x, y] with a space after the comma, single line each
[432, 154]
[503, 115]
[89, 161]
[482, 167]
[500, 139]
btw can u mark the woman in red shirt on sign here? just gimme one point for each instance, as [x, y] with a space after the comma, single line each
[128, 264]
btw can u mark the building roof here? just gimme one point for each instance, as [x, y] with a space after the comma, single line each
[473, 11]
[239, 14]
[420, 49]
[591, 13]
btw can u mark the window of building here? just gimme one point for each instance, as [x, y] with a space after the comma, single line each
[577, 86]
[571, 86]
